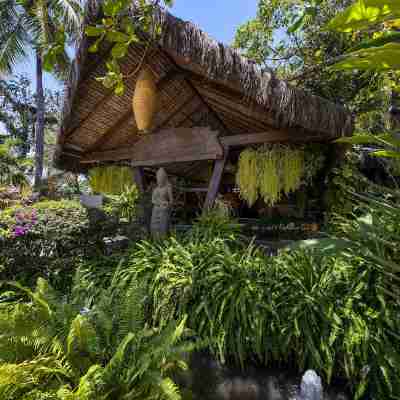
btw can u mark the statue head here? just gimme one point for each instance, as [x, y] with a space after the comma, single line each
[162, 177]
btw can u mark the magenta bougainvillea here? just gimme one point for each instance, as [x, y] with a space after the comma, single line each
[24, 222]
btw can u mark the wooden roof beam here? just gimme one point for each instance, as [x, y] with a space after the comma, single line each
[270, 136]
[167, 146]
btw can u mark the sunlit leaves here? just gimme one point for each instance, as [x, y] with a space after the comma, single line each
[94, 30]
[386, 154]
[383, 139]
[116, 36]
[365, 13]
[383, 58]
[379, 39]
[54, 51]
[121, 31]
[308, 13]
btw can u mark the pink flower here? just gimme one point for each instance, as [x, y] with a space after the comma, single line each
[19, 231]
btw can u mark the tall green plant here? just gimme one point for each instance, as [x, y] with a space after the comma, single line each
[301, 309]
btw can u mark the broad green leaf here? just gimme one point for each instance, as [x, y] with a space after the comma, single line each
[94, 31]
[113, 7]
[119, 50]
[384, 139]
[389, 139]
[386, 154]
[385, 38]
[119, 89]
[384, 58]
[49, 61]
[115, 36]
[358, 139]
[365, 13]
[94, 47]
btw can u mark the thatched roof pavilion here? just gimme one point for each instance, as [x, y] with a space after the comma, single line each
[200, 83]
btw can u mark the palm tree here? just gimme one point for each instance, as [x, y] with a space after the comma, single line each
[44, 26]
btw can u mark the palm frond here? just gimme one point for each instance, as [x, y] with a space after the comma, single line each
[12, 43]
[71, 12]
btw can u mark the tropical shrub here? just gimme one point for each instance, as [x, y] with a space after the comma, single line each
[124, 205]
[46, 239]
[51, 348]
[370, 239]
[216, 222]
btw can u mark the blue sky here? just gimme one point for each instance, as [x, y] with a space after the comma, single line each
[219, 18]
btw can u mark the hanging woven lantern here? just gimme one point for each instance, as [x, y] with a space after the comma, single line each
[144, 101]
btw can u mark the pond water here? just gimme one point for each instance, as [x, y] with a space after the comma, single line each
[209, 380]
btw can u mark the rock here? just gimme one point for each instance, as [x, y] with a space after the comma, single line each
[116, 243]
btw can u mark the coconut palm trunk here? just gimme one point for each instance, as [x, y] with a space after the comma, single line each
[39, 128]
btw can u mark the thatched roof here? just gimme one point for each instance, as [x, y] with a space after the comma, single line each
[201, 83]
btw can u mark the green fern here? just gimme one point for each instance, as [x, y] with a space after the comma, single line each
[51, 350]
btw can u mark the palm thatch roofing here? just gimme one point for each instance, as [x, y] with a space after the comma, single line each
[201, 82]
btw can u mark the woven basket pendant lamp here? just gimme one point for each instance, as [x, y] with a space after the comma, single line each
[144, 100]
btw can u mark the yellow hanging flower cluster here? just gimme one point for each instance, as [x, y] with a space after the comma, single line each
[110, 180]
[269, 180]
[292, 168]
[246, 176]
[269, 172]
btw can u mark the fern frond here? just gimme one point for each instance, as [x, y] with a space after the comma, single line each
[81, 343]
[170, 389]
[131, 312]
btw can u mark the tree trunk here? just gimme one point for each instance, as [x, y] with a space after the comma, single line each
[39, 128]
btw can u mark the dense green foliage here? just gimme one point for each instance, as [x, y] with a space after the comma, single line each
[124, 205]
[18, 112]
[292, 37]
[12, 168]
[51, 348]
[120, 31]
[370, 237]
[300, 309]
[47, 239]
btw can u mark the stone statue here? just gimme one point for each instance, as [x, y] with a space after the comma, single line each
[162, 200]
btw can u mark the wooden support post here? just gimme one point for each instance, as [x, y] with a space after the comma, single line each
[215, 181]
[138, 177]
